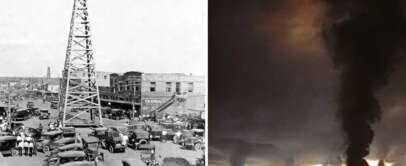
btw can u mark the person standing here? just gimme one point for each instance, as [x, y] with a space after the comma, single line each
[124, 139]
[29, 145]
[20, 145]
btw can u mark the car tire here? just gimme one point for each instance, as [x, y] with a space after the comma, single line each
[14, 152]
[198, 146]
[111, 149]
[45, 149]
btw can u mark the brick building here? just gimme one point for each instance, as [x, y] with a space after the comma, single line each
[159, 88]
[124, 90]
[149, 91]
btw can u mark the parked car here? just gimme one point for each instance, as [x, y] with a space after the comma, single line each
[69, 158]
[105, 111]
[30, 104]
[68, 132]
[52, 140]
[201, 161]
[54, 104]
[8, 145]
[191, 140]
[69, 147]
[91, 148]
[116, 114]
[98, 132]
[112, 141]
[148, 154]
[172, 161]
[138, 134]
[158, 132]
[132, 162]
[33, 132]
[21, 114]
[44, 114]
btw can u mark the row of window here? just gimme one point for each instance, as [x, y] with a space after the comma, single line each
[169, 87]
[137, 100]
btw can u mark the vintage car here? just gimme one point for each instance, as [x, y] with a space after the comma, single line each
[98, 132]
[157, 132]
[112, 140]
[33, 132]
[52, 140]
[105, 111]
[133, 162]
[138, 134]
[190, 139]
[71, 158]
[68, 131]
[5, 133]
[69, 147]
[201, 161]
[172, 161]
[91, 148]
[21, 114]
[116, 114]
[44, 114]
[174, 133]
[30, 104]
[81, 163]
[148, 154]
[54, 104]
[8, 145]
[195, 123]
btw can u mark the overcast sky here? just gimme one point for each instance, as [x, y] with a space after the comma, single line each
[142, 35]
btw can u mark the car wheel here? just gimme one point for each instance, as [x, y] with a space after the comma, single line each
[45, 149]
[14, 152]
[111, 149]
[198, 146]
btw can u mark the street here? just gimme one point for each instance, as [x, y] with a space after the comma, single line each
[163, 149]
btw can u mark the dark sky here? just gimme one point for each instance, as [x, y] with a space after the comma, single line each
[273, 87]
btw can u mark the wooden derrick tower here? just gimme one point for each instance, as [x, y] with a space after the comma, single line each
[79, 100]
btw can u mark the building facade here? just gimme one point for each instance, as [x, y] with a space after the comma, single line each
[124, 90]
[159, 88]
[146, 92]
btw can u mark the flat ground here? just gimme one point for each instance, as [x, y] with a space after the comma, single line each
[167, 149]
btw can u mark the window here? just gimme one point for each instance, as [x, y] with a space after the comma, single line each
[105, 77]
[190, 87]
[152, 87]
[168, 86]
[178, 90]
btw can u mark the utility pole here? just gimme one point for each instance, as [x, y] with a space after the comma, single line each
[9, 105]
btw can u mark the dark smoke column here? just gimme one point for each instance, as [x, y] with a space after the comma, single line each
[364, 38]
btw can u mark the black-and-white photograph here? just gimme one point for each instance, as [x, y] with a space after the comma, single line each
[106, 83]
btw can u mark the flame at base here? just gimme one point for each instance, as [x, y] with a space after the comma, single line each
[372, 162]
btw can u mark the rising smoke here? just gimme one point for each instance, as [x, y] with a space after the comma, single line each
[364, 37]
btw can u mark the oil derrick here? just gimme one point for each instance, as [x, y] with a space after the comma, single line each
[79, 100]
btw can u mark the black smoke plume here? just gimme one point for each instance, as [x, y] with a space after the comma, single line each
[364, 38]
